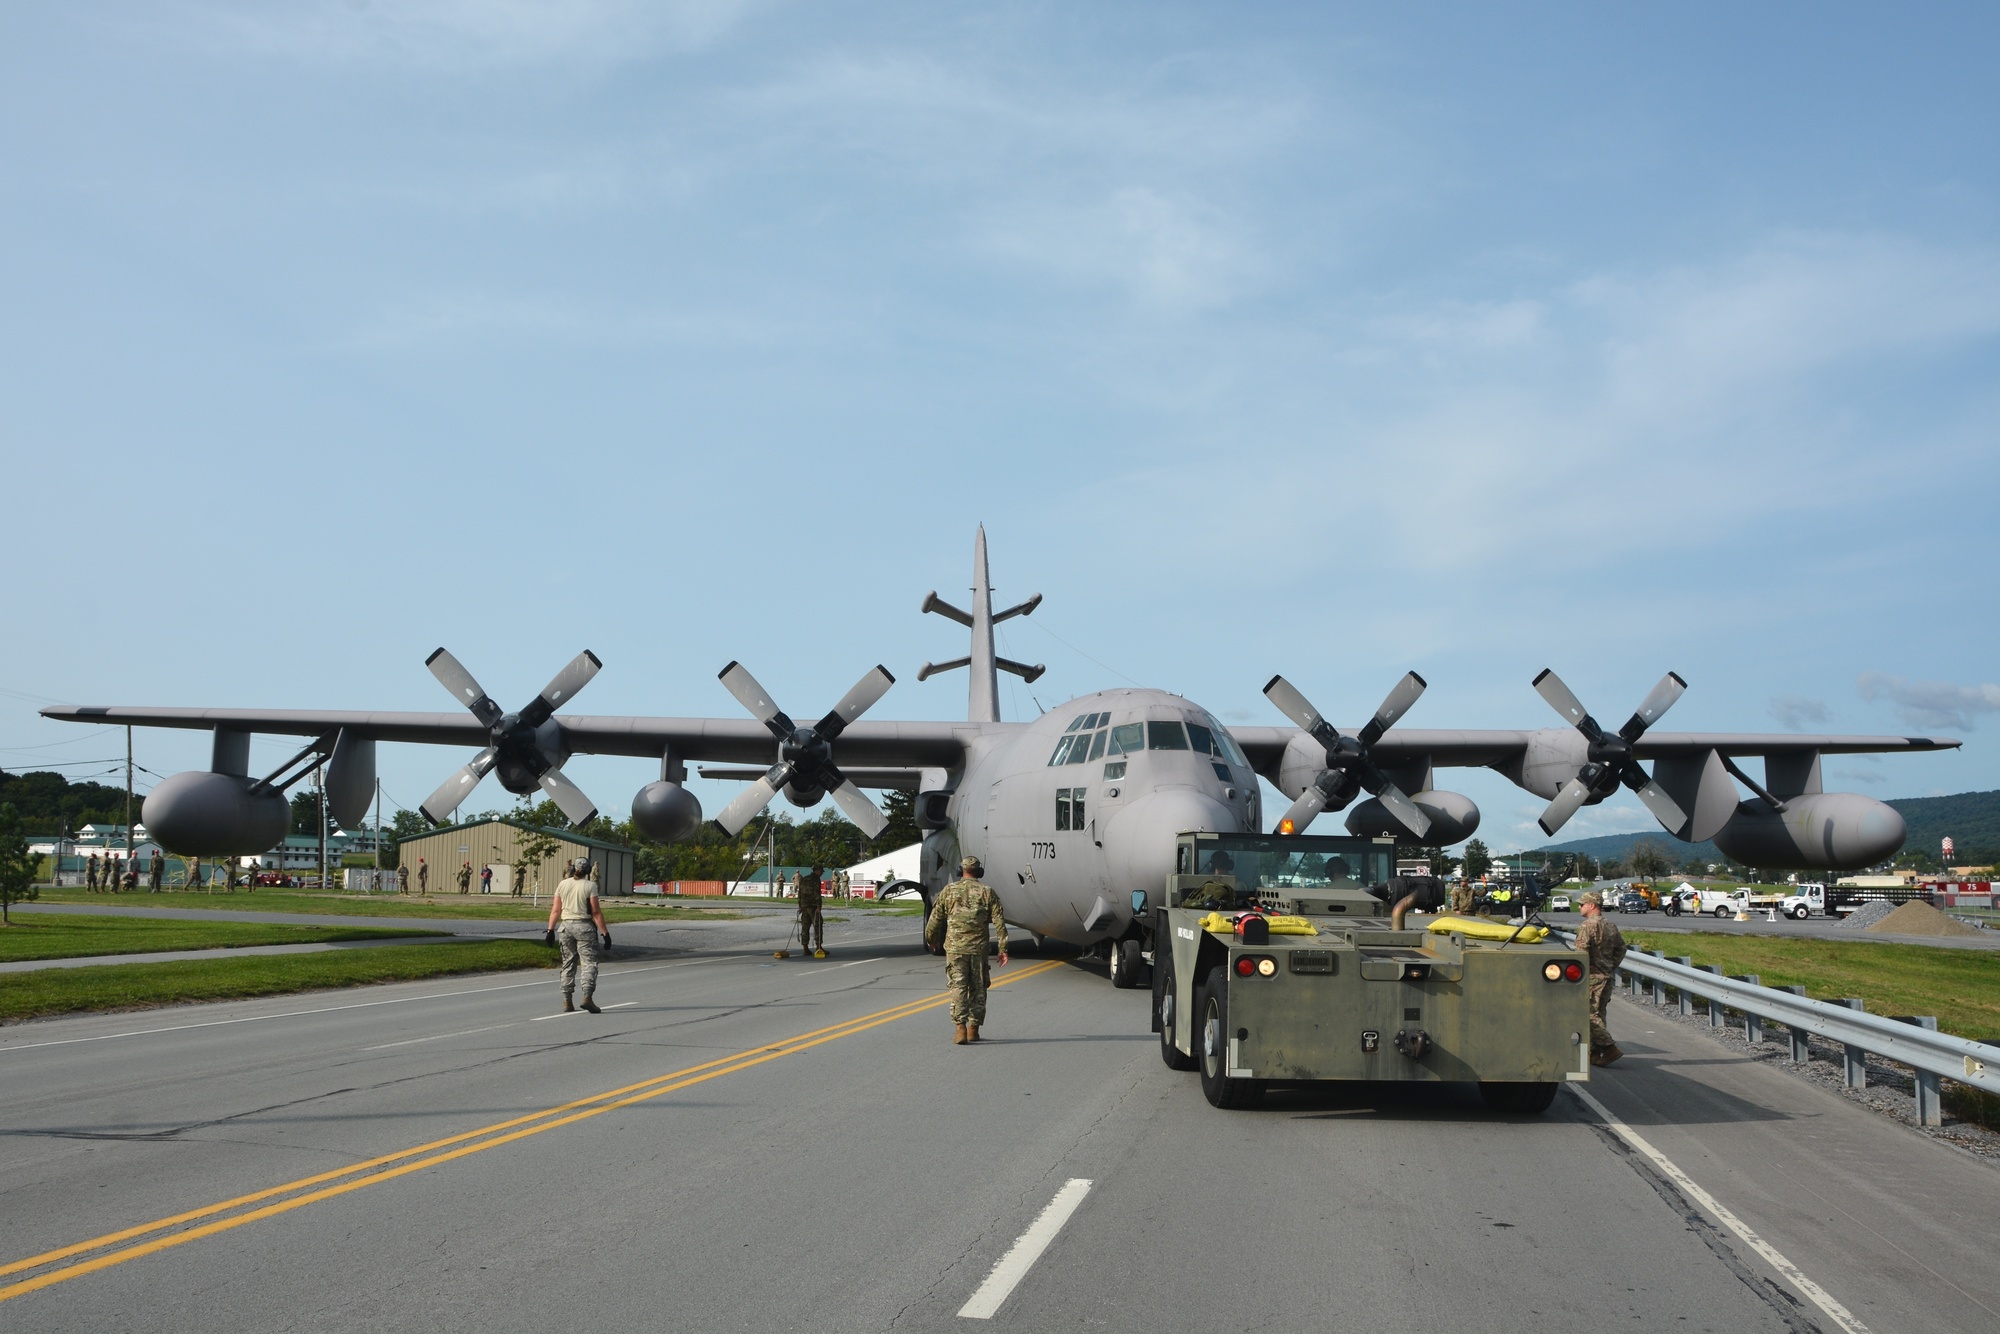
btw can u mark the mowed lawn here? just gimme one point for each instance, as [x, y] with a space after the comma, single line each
[36, 935]
[498, 907]
[52, 991]
[1960, 987]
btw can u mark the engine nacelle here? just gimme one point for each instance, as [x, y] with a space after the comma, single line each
[1830, 831]
[201, 814]
[666, 812]
[1454, 818]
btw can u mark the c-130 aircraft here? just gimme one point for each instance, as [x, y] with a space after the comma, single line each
[1069, 812]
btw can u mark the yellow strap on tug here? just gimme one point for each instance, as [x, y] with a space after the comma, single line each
[1484, 928]
[1280, 926]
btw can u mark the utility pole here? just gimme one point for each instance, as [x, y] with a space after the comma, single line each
[129, 865]
[378, 836]
[319, 785]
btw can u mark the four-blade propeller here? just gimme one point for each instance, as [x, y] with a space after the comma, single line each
[805, 754]
[526, 747]
[1349, 765]
[1610, 761]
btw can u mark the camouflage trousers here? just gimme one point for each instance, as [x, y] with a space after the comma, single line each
[1600, 998]
[966, 976]
[578, 943]
[812, 929]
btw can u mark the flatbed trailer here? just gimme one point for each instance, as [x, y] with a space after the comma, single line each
[1336, 993]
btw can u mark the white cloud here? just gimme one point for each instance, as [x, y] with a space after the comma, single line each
[1931, 703]
[1795, 712]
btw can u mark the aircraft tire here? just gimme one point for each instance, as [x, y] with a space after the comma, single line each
[1213, 1044]
[1127, 966]
[1517, 1099]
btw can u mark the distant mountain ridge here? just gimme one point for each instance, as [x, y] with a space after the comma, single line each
[1970, 819]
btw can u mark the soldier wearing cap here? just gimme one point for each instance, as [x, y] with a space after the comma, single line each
[1601, 940]
[576, 928]
[957, 927]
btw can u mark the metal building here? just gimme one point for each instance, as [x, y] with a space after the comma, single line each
[497, 844]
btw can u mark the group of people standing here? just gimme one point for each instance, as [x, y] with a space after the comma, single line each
[116, 874]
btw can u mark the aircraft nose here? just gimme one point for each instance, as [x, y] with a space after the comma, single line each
[1139, 840]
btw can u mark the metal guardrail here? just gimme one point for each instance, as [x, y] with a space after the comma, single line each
[1912, 1040]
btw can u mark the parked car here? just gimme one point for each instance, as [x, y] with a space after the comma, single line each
[1558, 903]
[1633, 901]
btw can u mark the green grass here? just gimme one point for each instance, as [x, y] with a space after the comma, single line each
[1960, 987]
[499, 908]
[56, 991]
[61, 936]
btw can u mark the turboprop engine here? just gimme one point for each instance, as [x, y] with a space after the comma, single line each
[1454, 818]
[199, 814]
[1827, 831]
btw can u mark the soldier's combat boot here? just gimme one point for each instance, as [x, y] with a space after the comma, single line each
[1609, 1054]
[569, 1006]
[591, 1005]
[972, 1032]
[958, 1035]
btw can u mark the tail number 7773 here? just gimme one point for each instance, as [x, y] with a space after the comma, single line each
[1042, 851]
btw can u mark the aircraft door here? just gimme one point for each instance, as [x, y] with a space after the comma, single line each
[1015, 860]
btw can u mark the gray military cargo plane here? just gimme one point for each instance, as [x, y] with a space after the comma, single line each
[1069, 812]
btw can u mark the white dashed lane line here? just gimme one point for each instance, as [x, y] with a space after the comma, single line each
[1028, 1248]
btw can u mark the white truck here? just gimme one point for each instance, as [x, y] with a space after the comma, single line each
[1810, 901]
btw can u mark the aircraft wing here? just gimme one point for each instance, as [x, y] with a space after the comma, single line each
[1265, 746]
[897, 745]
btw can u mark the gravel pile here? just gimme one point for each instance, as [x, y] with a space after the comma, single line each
[1917, 918]
[1868, 914]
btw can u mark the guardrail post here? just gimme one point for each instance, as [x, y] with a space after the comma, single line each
[1716, 1009]
[1930, 1102]
[1753, 1023]
[1656, 990]
[1801, 1041]
[1686, 998]
[1855, 1059]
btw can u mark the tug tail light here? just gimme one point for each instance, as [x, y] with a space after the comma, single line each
[1555, 970]
[1256, 965]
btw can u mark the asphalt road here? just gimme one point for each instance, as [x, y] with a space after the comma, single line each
[752, 1145]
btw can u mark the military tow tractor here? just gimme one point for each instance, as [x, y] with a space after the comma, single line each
[1276, 961]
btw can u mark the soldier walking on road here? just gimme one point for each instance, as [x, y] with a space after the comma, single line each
[1601, 939]
[465, 878]
[576, 921]
[812, 920]
[957, 928]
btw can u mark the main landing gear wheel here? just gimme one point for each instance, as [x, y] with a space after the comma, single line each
[1128, 966]
[1517, 1099]
[1212, 1041]
[1169, 1053]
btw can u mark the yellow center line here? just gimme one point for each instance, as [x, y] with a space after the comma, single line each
[444, 1150]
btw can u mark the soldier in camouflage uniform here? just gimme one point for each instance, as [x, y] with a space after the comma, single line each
[1601, 940]
[576, 928]
[1461, 898]
[812, 922]
[957, 925]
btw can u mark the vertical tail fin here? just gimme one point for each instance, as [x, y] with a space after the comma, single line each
[982, 703]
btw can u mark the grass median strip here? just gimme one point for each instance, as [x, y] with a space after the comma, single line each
[499, 907]
[1960, 987]
[54, 991]
[62, 936]
[194, 1224]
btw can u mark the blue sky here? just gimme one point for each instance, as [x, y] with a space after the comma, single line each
[1330, 340]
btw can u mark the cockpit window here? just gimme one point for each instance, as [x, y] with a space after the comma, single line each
[1077, 722]
[1097, 745]
[1128, 738]
[1212, 739]
[1166, 736]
